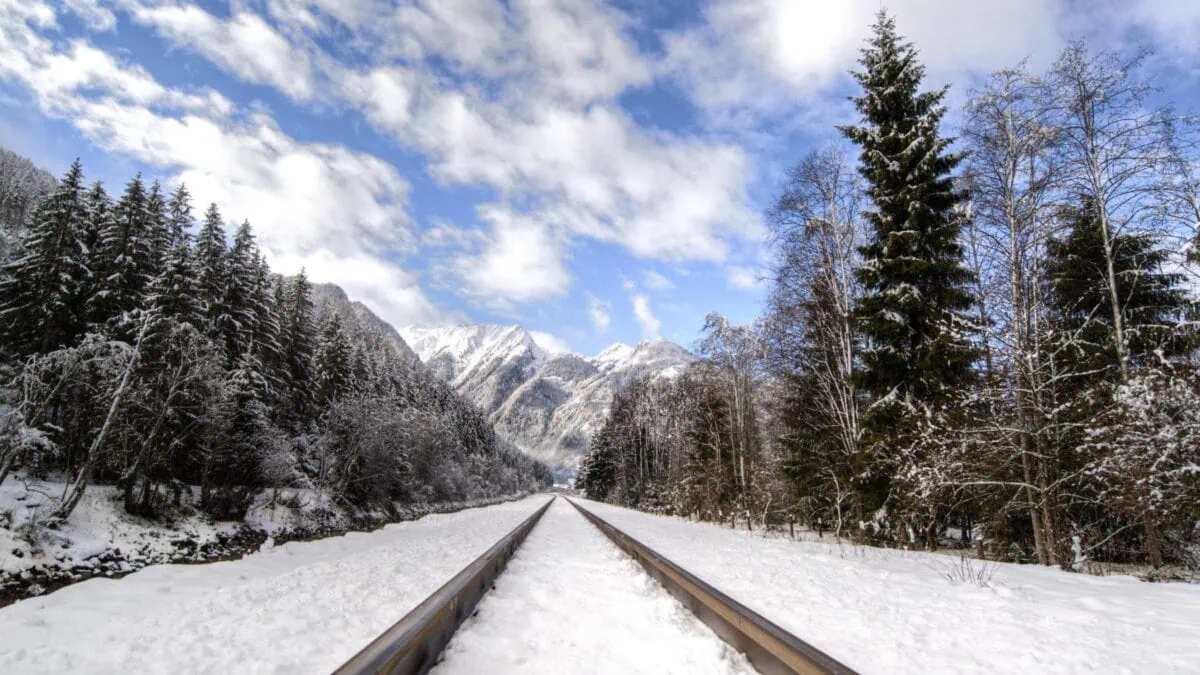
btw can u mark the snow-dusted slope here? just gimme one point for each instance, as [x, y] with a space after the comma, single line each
[368, 327]
[547, 404]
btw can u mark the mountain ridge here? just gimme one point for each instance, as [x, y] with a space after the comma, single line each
[548, 404]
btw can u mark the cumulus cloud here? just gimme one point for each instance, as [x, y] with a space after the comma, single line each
[340, 213]
[549, 342]
[521, 259]
[599, 313]
[243, 44]
[764, 54]
[530, 112]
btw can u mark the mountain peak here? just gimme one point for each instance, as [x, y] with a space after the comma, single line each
[547, 405]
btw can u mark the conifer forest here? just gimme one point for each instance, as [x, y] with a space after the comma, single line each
[981, 336]
[143, 351]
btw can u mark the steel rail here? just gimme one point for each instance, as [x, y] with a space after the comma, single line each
[771, 649]
[414, 643]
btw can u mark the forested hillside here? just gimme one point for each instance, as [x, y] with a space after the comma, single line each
[988, 341]
[143, 350]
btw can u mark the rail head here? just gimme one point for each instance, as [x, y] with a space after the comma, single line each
[770, 648]
[413, 644]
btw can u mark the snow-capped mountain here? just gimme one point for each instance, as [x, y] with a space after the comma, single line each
[547, 404]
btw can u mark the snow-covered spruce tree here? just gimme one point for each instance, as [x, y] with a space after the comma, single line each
[266, 337]
[212, 267]
[1152, 302]
[127, 260]
[39, 289]
[179, 216]
[333, 362]
[913, 313]
[238, 323]
[298, 346]
[232, 467]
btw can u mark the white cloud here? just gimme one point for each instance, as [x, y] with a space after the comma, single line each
[549, 342]
[744, 278]
[340, 213]
[653, 280]
[599, 313]
[530, 112]
[521, 260]
[244, 44]
[650, 324]
[765, 53]
[1175, 25]
[96, 18]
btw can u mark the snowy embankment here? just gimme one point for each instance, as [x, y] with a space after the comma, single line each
[885, 611]
[571, 602]
[299, 607]
[101, 539]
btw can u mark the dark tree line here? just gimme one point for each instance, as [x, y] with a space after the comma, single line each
[143, 351]
[995, 347]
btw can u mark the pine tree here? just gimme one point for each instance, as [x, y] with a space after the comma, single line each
[238, 323]
[298, 349]
[212, 269]
[333, 362]
[913, 312]
[128, 258]
[40, 288]
[179, 216]
[1154, 303]
[233, 469]
[158, 229]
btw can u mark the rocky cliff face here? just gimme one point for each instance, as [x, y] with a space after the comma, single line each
[547, 404]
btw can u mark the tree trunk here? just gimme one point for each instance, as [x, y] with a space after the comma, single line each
[1039, 537]
[75, 493]
[1153, 547]
[931, 541]
[10, 460]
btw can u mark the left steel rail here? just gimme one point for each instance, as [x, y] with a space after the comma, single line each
[414, 643]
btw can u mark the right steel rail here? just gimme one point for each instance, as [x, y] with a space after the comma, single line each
[770, 648]
[413, 644]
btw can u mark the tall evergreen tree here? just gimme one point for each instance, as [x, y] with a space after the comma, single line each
[159, 229]
[913, 313]
[298, 348]
[212, 268]
[333, 361]
[39, 289]
[128, 258]
[239, 321]
[179, 216]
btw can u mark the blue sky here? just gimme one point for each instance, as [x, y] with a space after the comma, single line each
[595, 171]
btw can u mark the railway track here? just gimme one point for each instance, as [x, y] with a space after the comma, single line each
[414, 644]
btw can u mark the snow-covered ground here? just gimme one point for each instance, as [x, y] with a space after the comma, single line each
[883, 611]
[571, 602]
[303, 607]
[100, 538]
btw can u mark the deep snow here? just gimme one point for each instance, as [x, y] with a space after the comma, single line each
[885, 611]
[299, 607]
[572, 602]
